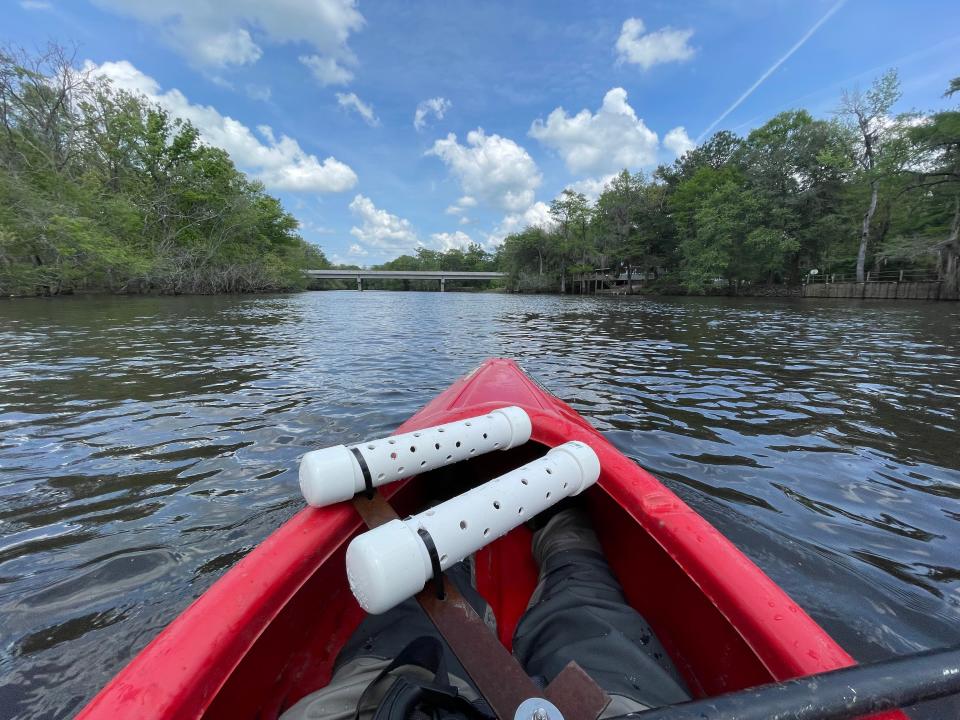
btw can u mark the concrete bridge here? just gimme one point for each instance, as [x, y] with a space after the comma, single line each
[441, 275]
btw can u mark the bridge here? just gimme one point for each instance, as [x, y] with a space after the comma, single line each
[441, 275]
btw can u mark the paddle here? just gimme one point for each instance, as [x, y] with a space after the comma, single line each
[852, 692]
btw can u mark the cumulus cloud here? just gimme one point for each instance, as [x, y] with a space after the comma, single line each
[678, 142]
[437, 107]
[279, 162]
[637, 47]
[610, 140]
[380, 229]
[448, 241]
[536, 215]
[491, 168]
[217, 34]
[326, 71]
[356, 250]
[350, 101]
[592, 187]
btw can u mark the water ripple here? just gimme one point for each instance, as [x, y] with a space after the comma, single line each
[146, 444]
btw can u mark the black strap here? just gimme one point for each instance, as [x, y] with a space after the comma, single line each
[434, 562]
[367, 480]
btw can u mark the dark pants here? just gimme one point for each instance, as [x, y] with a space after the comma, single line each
[581, 615]
[578, 612]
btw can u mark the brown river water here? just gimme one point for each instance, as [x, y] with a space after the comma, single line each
[146, 444]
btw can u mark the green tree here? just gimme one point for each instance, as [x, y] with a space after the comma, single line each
[935, 178]
[617, 211]
[101, 190]
[732, 241]
[571, 212]
[867, 114]
[797, 167]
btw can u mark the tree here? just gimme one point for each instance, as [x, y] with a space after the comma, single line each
[572, 214]
[868, 115]
[102, 190]
[524, 255]
[732, 241]
[936, 176]
[616, 212]
[797, 166]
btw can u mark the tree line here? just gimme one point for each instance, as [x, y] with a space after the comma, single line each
[864, 191]
[100, 190]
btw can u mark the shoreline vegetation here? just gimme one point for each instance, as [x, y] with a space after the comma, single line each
[103, 192]
[863, 195]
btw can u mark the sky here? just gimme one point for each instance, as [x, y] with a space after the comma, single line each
[385, 126]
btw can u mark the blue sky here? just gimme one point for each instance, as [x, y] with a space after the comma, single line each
[319, 98]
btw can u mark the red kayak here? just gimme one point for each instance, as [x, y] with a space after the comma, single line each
[268, 631]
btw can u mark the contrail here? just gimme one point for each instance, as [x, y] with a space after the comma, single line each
[773, 68]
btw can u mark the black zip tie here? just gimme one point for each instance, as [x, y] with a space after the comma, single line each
[367, 480]
[434, 562]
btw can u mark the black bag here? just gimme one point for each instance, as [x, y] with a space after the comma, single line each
[413, 699]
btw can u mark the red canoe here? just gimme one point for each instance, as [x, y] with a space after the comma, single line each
[268, 631]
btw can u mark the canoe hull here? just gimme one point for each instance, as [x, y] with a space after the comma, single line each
[268, 631]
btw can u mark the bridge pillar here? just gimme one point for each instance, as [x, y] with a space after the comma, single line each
[359, 283]
[443, 284]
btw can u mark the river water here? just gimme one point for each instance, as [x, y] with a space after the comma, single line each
[148, 443]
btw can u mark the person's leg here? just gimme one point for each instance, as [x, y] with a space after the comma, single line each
[373, 646]
[578, 612]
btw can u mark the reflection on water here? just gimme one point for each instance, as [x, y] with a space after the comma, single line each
[148, 443]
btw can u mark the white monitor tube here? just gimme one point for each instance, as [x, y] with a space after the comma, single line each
[390, 563]
[336, 473]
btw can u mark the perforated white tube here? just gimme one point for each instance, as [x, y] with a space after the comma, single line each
[390, 563]
[335, 474]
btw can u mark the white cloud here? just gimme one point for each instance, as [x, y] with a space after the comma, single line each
[464, 220]
[646, 50]
[448, 241]
[678, 142]
[219, 34]
[537, 215]
[381, 230]
[326, 70]
[461, 205]
[350, 101]
[234, 47]
[437, 107]
[280, 163]
[592, 187]
[612, 139]
[35, 5]
[356, 250]
[492, 168]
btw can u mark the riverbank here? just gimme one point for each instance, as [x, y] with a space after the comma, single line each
[924, 290]
[884, 290]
